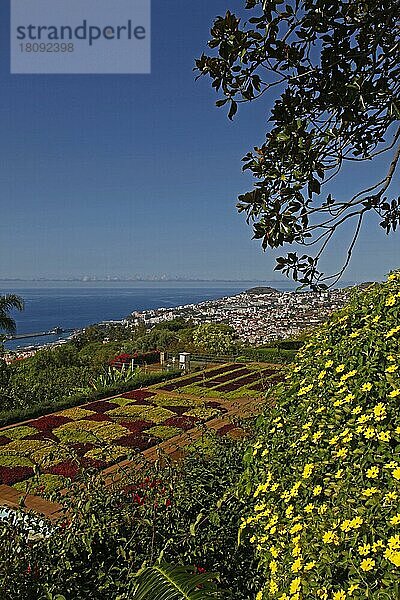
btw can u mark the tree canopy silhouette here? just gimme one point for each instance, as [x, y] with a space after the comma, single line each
[7, 303]
[334, 67]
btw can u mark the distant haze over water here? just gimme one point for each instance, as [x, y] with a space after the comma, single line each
[76, 305]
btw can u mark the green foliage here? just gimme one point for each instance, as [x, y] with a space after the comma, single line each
[170, 582]
[214, 338]
[334, 68]
[163, 432]
[34, 403]
[114, 377]
[188, 514]
[324, 472]
[269, 354]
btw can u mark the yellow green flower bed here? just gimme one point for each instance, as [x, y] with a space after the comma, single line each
[325, 471]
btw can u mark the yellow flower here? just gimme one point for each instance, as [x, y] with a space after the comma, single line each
[352, 588]
[391, 465]
[394, 393]
[364, 550]
[391, 369]
[356, 410]
[394, 557]
[317, 436]
[363, 419]
[373, 473]
[322, 509]
[357, 522]
[296, 566]
[273, 565]
[289, 511]
[366, 387]
[307, 471]
[369, 432]
[396, 473]
[354, 334]
[392, 276]
[328, 364]
[394, 542]
[273, 588]
[259, 596]
[296, 528]
[295, 586]
[349, 398]
[377, 545]
[318, 489]
[340, 368]
[309, 508]
[391, 497]
[329, 537]
[393, 331]
[390, 301]
[309, 566]
[395, 520]
[367, 564]
[322, 374]
[384, 436]
[305, 390]
[346, 525]
[339, 595]
[370, 491]
[379, 412]
[274, 551]
[296, 551]
[342, 453]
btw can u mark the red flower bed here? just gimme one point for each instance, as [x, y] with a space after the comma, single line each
[178, 410]
[4, 440]
[100, 406]
[93, 463]
[214, 405]
[81, 448]
[136, 441]
[138, 395]
[99, 417]
[184, 423]
[136, 426]
[66, 469]
[48, 423]
[11, 475]
[226, 429]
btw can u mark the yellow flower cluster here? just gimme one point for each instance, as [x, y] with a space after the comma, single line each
[330, 477]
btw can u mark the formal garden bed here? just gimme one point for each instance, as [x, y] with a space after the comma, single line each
[44, 454]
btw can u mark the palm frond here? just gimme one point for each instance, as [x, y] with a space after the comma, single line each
[11, 301]
[7, 324]
[170, 582]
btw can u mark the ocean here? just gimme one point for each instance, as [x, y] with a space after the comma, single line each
[74, 305]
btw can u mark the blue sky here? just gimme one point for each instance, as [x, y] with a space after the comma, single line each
[140, 173]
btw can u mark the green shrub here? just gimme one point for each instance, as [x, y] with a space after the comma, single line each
[325, 472]
[189, 512]
[65, 400]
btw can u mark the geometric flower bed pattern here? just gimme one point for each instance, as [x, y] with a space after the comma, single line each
[44, 452]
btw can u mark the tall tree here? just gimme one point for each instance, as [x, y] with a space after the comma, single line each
[334, 66]
[7, 303]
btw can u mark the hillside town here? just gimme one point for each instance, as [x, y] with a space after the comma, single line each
[259, 315]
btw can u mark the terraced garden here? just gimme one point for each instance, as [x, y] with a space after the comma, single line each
[42, 454]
